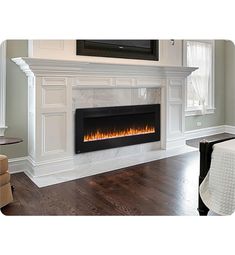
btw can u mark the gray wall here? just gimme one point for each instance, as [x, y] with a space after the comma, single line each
[218, 118]
[16, 98]
[230, 83]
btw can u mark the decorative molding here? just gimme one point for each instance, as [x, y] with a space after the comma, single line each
[148, 82]
[53, 133]
[53, 97]
[52, 67]
[85, 82]
[40, 168]
[197, 133]
[2, 88]
[27, 165]
[198, 112]
[90, 82]
[52, 81]
[17, 165]
[175, 143]
[2, 130]
[230, 129]
[175, 112]
[124, 82]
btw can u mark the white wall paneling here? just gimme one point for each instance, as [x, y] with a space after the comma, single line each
[175, 111]
[53, 97]
[50, 115]
[175, 119]
[53, 133]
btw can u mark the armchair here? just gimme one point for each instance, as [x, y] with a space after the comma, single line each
[5, 186]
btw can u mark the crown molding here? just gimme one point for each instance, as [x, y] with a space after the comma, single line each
[52, 67]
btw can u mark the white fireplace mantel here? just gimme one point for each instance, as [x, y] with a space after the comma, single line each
[53, 67]
[51, 86]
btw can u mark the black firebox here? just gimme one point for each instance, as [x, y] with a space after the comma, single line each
[111, 127]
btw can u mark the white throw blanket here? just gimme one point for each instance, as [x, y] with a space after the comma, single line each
[218, 188]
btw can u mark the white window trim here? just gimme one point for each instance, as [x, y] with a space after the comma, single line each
[2, 88]
[193, 111]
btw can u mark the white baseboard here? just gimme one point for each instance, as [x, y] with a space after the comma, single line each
[17, 165]
[192, 134]
[197, 133]
[230, 129]
[50, 166]
[175, 143]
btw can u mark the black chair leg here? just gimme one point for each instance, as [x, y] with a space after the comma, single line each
[203, 212]
[202, 208]
[12, 188]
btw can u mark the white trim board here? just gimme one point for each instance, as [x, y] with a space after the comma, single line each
[197, 133]
[17, 165]
[230, 129]
[2, 88]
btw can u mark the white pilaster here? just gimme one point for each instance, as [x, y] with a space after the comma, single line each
[2, 88]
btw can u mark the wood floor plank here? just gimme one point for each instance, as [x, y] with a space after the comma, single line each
[163, 187]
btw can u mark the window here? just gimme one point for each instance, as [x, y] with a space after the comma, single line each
[200, 84]
[2, 87]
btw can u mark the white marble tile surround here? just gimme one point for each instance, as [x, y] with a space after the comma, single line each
[85, 98]
[89, 98]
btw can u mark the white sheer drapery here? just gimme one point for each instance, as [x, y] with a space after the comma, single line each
[199, 54]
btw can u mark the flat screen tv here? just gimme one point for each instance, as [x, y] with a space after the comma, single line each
[132, 49]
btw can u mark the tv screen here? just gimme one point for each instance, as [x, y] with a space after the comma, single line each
[132, 49]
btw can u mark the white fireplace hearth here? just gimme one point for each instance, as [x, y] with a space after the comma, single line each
[57, 87]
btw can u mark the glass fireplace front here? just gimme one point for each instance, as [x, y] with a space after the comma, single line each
[110, 127]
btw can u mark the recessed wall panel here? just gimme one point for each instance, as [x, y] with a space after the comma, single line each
[175, 115]
[53, 96]
[54, 133]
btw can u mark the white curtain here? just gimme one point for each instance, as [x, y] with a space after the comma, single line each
[199, 54]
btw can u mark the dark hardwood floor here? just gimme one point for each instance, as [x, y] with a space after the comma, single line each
[195, 142]
[163, 187]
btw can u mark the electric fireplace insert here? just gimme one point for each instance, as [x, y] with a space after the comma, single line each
[111, 127]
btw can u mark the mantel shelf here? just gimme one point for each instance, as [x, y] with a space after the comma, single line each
[52, 67]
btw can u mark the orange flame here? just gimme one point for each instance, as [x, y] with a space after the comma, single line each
[102, 135]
